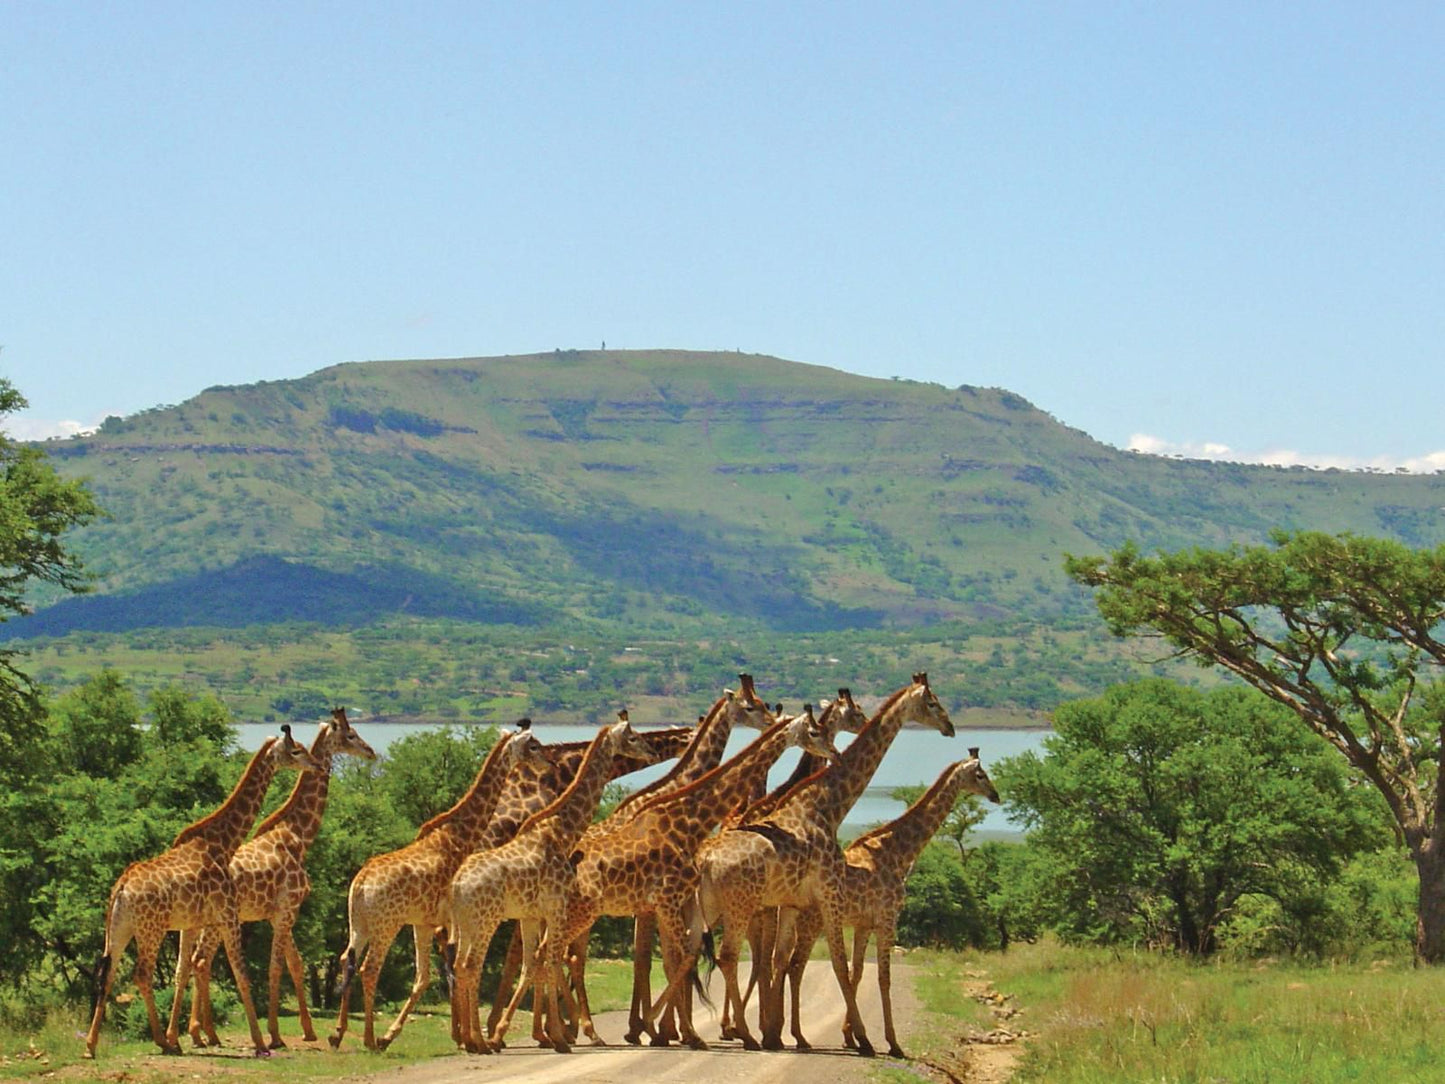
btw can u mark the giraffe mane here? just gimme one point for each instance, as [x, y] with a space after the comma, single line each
[594, 750]
[691, 788]
[924, 800]
[447, 814]
[192, 831]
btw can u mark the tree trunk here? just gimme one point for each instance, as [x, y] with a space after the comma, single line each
[1430, 911]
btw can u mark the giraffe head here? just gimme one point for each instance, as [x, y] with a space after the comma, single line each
[341, 740]
[811, 735]
[523, 748]
[745, 708]
[843, 714]
[626, 742]
[921, 706]
[287, 752]
[975, 779]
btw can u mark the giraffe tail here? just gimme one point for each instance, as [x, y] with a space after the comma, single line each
[102, 975]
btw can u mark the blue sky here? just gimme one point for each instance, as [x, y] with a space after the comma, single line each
[1176, 225]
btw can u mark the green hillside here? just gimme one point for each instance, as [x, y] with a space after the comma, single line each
[662, 493]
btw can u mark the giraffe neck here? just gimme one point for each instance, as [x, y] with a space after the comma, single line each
[902, 840]
[568, 817]
[465, 821]
[695, 810]
[302, 810]
[702, 755]
[227, 827]
[838, 789]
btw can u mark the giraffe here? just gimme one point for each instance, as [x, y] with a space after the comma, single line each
[188, 887]
[526, 879]
[703, 753]
[531, 788]
[269, 875]
[790, 857]
[408, 887]
[877, 865]
[839, 714]
[644, 863]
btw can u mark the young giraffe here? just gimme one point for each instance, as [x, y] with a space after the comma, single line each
[187, 888]
[703, 753]
[875, 877]
[645, 863]
[269, 874]
[791, 858]
[526, 879]
[408, 887]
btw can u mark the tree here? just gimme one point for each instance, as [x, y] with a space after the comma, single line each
[37, 507]
[1156, 808]
[1344, 631]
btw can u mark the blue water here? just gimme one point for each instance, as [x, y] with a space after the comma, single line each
[915, 757]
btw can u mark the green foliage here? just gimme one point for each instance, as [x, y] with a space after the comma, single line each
[1157, 809]
[426, 772]
[1342, 630]
[37, 507]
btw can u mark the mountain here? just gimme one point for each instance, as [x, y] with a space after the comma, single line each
[699, 490]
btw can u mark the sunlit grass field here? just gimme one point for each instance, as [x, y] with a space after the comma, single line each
[1101, 1017]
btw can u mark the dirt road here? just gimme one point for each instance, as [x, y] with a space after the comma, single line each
[723, 1063]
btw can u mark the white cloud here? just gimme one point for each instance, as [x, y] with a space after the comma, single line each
[1285, 457]
[21, 427]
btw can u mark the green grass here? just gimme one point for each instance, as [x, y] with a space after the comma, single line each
[1098, 1017]
[55, 1046]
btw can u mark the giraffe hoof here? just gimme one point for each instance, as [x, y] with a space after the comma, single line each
[633, 1038]
[261, 1052]
[749, 1043]
[865, 1048]
[803, 1045]
[697, 1042]
[382, 1044]
[896, 1051]
[660, 1040]
[277, 1043]
[562, 1048]
[335, 1041]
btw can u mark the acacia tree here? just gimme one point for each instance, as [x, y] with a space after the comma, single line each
[1344, 631]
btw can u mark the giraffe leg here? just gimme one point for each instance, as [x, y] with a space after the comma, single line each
[528, 935]
[283, 949]
[680, 963]
[118, 933]
[184, 967]
[357, 943]
[370, 974]
[510, 970]
[577, 967]
[145, 966]
[775, 955]
[728, 962]
[202, 1027]
[551, 983]
[423, 936]
[837, 954]
[806, 935]
[231, 941]
[884, 936]
[860, 956]
[643, 927]
[466, 977]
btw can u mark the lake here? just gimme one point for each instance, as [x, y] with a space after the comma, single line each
[915, 757]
